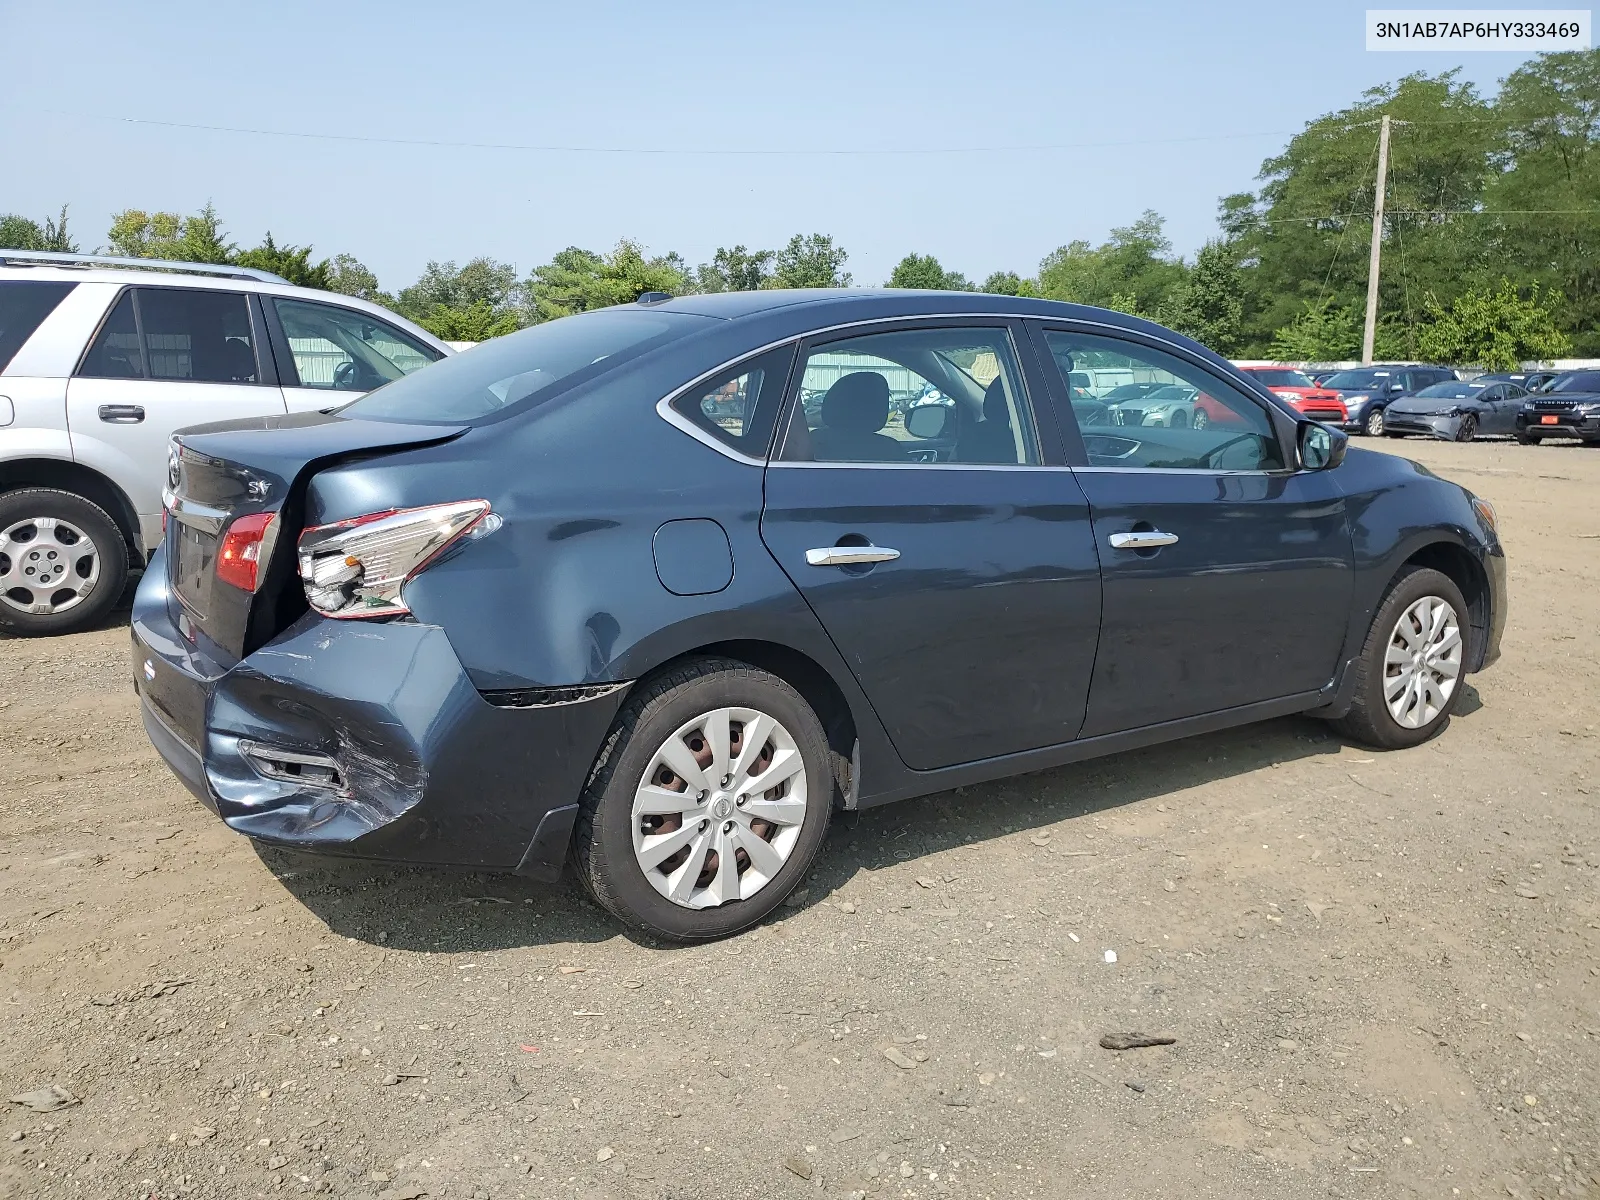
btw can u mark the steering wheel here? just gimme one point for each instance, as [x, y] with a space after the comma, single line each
[1216, 451]
[345, 376]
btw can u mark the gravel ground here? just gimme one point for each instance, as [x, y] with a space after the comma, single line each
[1381, 970]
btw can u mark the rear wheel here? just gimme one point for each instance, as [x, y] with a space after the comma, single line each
[1178, 420]
[710, 801]
[1525, 439]
[1409, 675]
[63, 562]
[1201, 418]
[1468, 429]
[1374, 423]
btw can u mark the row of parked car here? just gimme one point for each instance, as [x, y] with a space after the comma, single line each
[1410, 399]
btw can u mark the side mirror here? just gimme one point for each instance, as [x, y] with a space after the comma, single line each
[1321, 448]
[927, 421]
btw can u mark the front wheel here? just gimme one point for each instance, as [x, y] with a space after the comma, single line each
[1468, 429]
[711, 799]
[1375, 423]
[1201, 418]
[1411, 668]
[1524, 439]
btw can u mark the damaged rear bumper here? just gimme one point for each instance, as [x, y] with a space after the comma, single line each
[368, 739]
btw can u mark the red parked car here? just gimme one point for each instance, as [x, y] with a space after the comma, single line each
[1318, 403]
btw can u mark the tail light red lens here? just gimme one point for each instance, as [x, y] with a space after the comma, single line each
[245, 545]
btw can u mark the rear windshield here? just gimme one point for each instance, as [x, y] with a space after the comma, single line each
[1282, 378]
[24, 304]
[1577, 381]
[529, 366]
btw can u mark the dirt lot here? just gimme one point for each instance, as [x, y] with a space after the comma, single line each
[1382, 970]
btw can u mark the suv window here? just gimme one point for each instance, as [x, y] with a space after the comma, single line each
[187, 334]
[24, 304]
[345, 350]
[933, 396]
[1191, 421]
[737, 407]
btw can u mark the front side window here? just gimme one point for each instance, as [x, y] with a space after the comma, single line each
[197, 336]
[736, 408]
[1174, 415]
[932, 396]
[24, 304]
[344, 350]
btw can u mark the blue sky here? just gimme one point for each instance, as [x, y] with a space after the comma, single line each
[1159, 105]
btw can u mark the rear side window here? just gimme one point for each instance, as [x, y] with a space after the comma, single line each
[738, 407]
[24, 304]
[178, 334]
[524, 368]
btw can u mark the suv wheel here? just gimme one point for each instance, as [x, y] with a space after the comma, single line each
[1525, 439]
[1375, 423]
[1409, 675]
[708, 802]
[63, 562]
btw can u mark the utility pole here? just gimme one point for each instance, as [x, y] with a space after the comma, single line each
[1369, 333]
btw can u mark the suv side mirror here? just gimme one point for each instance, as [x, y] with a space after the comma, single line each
[1321, 448]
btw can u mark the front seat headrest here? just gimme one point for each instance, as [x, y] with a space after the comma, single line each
[995, 406]
[857, 403]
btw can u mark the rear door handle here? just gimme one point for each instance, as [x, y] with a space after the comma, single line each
[1149, 539]
[845, 556]
[122, 414]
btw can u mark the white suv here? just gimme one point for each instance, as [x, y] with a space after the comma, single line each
[101, 359]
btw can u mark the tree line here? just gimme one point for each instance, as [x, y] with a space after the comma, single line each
[1491, 242]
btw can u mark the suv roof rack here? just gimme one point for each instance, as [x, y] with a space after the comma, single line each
[39, 258]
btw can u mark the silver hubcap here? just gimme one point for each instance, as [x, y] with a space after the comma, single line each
[47, 566]
[720, 808]
[1423, 663]
[1375, 423]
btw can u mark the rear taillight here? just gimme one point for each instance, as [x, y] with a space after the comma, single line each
[356, 568]
[246, 544]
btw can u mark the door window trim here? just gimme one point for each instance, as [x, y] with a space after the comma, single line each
[1283, 426]
[667, 406]
[1045, 435]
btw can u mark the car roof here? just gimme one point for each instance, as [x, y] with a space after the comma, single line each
[133, 276]
[845, 304]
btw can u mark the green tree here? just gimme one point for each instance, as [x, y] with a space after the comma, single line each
[198, 238]
[1494, 329]
[1304, 234]
[736, 270]
[481, 280]
[812, 261]
[1320, 332]
[1009, 283]
[1136, 261]
[292, 262]
[579, 280]
[24, 233]
[349, 277]
[477, 322]
[923, 271]
[1549, 111]
[1209, 305]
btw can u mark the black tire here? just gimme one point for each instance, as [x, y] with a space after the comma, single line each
[1374, 423]
[1201, 419]
[1178, 420]
[1468, 429]
[1389, 433]
[1369, 720]
[1525, 439]
[602, 848]
[94, 522]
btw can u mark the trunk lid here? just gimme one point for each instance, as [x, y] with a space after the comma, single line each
[218, 473]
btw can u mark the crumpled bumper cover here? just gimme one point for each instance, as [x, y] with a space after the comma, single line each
[369, 739]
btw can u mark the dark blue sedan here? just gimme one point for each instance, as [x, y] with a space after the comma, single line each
[657, 589]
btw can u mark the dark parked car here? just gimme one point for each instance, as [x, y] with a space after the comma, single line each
[1368, 391]
[1528, 381]
[1567, 406]
[1457, 411]
[562, 597]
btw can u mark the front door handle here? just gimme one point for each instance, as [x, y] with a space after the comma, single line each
[1149, 539]
[847, 556]
[122, 414]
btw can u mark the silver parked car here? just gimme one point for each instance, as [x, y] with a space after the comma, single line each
[1458, 410]
[101, 359]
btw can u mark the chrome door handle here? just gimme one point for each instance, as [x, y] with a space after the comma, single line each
[122, 414]
[1150, 539]
[845, 556]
